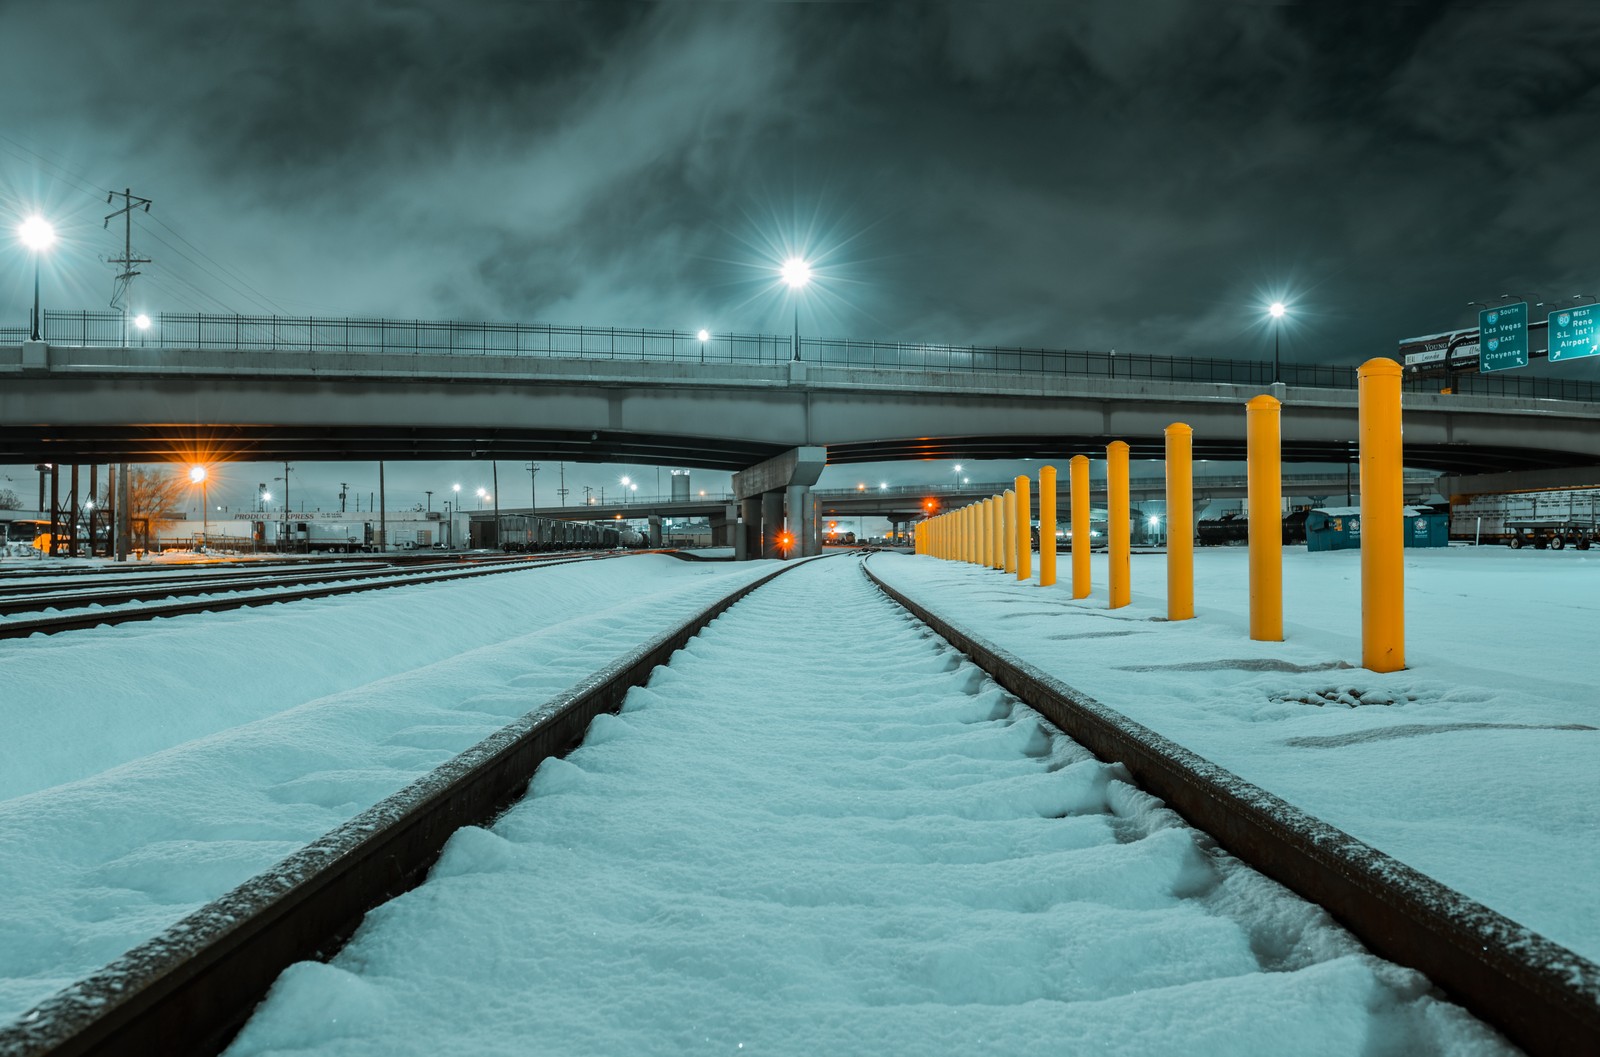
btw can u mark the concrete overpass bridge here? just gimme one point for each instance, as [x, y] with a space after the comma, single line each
[263, 389]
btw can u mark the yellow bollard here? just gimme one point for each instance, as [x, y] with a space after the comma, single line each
[969, 532]
[1078, 473]
[1024, 529]
[997, 524]
[1265, 485]
[1047, 526]
[1011, 531]
[1180, 522]
[983, 533]
[1118, 523]
[1383, 610]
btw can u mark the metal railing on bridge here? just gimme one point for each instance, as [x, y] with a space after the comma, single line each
[389, 337]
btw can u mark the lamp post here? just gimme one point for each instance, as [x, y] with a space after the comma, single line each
[36, 234]
[197, 474]
[627, 488]
[1276, 310]
[430, 500]
[704, 336]
[141, 322]
[956, 469]
[796, 274]
[481, 494]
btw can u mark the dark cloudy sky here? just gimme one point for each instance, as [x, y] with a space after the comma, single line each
[1139, 175]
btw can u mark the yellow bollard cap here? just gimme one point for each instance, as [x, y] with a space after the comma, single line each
[1264, 402]
[1180, 427]
[1379, 365]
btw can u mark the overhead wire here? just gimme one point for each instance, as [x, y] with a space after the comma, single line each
[228, 278]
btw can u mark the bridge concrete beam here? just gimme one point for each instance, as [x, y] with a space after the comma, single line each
[798, 467]
[1462, 486]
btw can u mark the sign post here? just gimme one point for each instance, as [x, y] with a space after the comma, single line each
[1503, 337]
[1574, 333]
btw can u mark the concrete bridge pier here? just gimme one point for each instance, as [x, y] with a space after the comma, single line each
[771, 523]
[747, 541]
[761, 491]
[654, 522]
[723, 528]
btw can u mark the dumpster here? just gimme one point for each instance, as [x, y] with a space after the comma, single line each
[1339, 528]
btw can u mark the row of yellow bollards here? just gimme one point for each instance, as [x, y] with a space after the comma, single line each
[996, 533]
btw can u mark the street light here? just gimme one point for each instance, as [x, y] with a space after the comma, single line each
[1276, 311]
[796, 273]
[481, 493]
[704, 335]
[197, 474]
[627, 486]
[956, 469]
[36, 234]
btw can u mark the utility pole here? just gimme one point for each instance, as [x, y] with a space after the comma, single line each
[130, 202]
[562, 491]
[533, 486]
[344, 487]
[588, 493]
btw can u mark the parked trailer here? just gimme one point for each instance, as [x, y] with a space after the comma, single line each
[1552, 535]
[331, 536]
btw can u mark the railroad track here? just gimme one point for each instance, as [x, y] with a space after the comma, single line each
[188, 990]
[82, 607]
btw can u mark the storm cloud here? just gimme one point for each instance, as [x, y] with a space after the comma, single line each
[1065, 175]
[1138, 176]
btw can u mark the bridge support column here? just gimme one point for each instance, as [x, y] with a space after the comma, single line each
[814, 528]
[654, 521]
[747, 542]
[722, 528]
[771, 524]
[801, 510]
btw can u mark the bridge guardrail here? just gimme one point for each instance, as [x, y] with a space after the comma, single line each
[389, 337]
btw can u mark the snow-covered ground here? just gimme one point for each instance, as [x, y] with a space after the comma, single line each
[148, 768]
[821, 831]
[1479, 765]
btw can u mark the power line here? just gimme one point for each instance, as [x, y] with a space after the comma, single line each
[260, 297]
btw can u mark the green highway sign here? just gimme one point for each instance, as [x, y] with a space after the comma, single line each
[1503, 337]
[1575, 332]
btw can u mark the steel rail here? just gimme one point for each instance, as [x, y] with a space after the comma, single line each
[30, 597]
[77, 620]
[1542, 996]
[187, 991]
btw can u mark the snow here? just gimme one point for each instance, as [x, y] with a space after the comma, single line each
[1476, 765]
[150, 767]
[821, 830]
[802, 851]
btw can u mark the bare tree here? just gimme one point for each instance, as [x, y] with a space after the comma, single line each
[9, 500]
[154, 492]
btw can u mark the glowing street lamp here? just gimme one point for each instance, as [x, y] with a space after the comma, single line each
[704, 335]
[197, 475]
[796, 273]
[957, 470]
[481, 494]
[36, 234]
[1276, 311]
